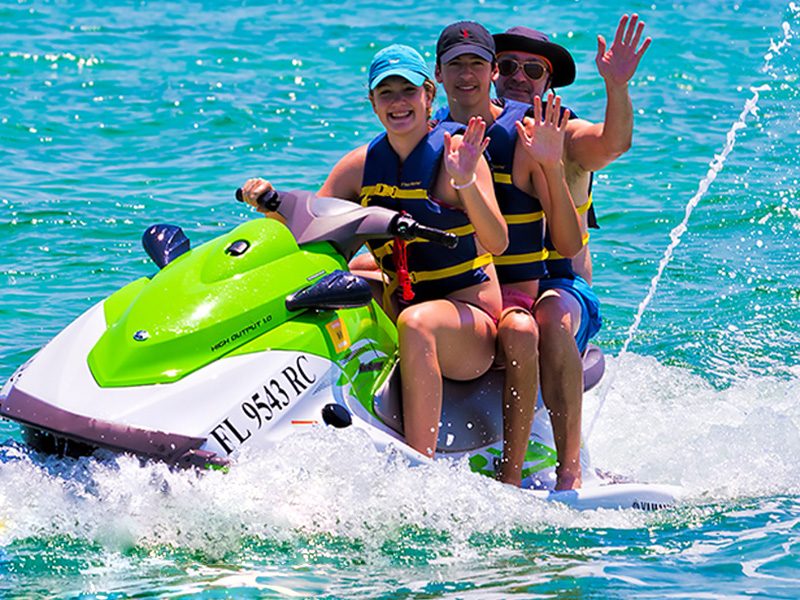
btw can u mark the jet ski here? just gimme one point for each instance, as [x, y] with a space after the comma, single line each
[261, 333]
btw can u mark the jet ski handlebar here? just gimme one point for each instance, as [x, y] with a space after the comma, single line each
[401, 225]
[269, 200]
[406, 228]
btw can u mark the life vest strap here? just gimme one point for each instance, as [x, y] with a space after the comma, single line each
[519, 259]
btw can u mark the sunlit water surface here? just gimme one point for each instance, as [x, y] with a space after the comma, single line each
[115, 116]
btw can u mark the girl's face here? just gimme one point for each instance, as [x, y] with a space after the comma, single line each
[401, 106]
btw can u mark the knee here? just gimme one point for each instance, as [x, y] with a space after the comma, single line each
[554, 321]
[518, 336]
[414, 325]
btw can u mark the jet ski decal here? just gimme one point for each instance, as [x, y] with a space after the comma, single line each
[339, 335]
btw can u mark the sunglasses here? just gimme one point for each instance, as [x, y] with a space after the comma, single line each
[533, 70]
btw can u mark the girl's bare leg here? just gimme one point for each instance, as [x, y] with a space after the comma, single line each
[438, 338]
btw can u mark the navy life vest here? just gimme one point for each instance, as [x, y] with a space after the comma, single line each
[434, 270]
[524, 258]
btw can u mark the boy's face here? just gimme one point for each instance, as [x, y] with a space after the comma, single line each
[467, 79]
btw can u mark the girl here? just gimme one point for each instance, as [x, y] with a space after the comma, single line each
[449, 298]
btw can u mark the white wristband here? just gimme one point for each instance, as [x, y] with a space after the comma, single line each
[466, 185]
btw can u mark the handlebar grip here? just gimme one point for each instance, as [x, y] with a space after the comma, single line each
[437, 236]
[406, 228]
[269, 200]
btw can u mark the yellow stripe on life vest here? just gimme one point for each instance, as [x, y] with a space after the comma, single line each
[476, 263]
[502, 178]
[417, 276]
[384, 250]
[462, 231]
[524, 218]
[388, 290]
[391, 191]
[553, 255]
[584, 207]
[519, 259]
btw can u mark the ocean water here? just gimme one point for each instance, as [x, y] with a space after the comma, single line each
[116, 115]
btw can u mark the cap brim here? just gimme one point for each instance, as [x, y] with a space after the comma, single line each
[466, 49]
[412, 76]
[559, 57]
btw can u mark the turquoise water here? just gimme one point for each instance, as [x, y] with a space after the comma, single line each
[117, 115]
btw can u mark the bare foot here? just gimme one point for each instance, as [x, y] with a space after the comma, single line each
[568, 479]
[514, 479]
[505, 472]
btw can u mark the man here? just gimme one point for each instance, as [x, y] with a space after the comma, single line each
[529, 65]
[529, 181]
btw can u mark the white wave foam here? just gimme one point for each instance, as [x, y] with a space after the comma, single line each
[665, 424]
[326, 482]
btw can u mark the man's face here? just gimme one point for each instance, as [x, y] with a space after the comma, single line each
[517, 83]
[467, 79]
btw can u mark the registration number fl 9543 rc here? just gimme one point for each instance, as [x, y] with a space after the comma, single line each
[264, 404]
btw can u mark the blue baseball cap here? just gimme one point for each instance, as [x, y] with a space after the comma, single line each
[399, 60]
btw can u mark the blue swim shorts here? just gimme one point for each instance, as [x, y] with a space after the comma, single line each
[591, 321]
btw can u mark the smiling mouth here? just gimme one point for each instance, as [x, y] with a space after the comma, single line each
[402, 115]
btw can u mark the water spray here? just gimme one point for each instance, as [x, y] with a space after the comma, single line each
[750, 108]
